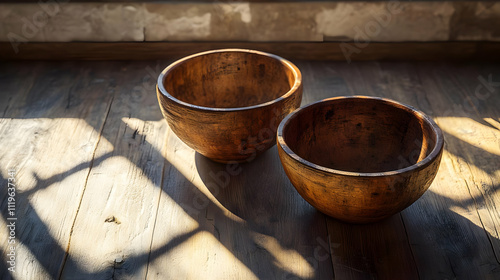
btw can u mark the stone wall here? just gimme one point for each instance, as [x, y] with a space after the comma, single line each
[386, 21]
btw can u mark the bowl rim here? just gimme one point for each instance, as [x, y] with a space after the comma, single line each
[295, 70]
[438, 146]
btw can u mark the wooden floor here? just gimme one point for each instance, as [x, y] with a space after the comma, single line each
[105, 190]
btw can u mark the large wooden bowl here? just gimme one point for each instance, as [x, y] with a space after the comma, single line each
[227, 104]
[360, 159]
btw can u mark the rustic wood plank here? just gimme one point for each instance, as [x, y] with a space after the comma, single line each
[219, 221]
[445, 227]
[48, 134]
[446, 233]
[486, 51]
[114, 227]
[474, 140]
[486, 191]
[193, 224]
[14, 84]
[16, 80]
[397, 81]
[446, 260]
[372, 251]
[323, 80]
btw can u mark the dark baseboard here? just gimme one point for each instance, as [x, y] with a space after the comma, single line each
[293, 50]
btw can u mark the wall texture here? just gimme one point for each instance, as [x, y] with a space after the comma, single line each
[386, 21]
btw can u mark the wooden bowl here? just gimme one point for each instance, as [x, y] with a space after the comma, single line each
[227, 104]
[360, 159]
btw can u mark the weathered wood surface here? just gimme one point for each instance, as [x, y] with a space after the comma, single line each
[115, 221]
[52, 115]
[465, 195]
[456, 245]
[106, 190]
[232, 229]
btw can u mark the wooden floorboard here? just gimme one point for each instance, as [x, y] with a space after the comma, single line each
[118, 210]
[49, 130]
[446, 226]
[487, 163]
[249, 225]
[106, 190]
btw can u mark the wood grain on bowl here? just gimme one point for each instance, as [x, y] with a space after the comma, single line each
[360, 159]
[227, 104]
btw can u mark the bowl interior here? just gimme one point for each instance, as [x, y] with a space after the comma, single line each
[229, 79]
[360, 135]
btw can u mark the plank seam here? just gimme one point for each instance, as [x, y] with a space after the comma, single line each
[409, 245]
[330, 246]
[157, 208]
[66, 255]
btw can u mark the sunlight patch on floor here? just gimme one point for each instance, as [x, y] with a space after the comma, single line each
[286, 259]
[469, 202]
[479, 135]
[202, 256]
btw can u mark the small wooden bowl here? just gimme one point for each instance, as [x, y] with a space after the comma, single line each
[360, 159]
[227, 104]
